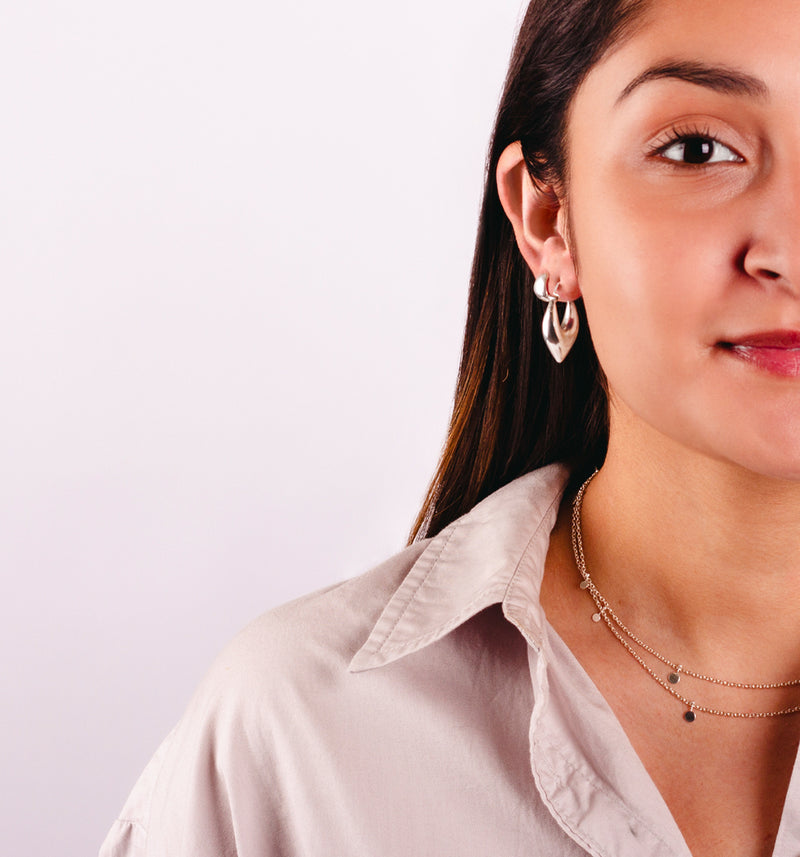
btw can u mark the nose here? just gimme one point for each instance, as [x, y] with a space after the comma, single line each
[772, 254]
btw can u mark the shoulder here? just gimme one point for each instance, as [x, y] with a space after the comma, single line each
[303, 650]
[285, 705]
[318, 632]
[255, 713]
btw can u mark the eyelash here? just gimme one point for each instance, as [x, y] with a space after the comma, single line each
[676, 135]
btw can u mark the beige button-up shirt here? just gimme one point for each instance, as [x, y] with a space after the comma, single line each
[425, 709]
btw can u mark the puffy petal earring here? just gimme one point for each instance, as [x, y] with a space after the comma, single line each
[559, 333]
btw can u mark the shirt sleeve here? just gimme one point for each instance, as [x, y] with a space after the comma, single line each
[128, 834]
[269, 759]
[209, 790]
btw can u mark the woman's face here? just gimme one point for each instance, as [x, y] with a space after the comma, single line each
[684, 211]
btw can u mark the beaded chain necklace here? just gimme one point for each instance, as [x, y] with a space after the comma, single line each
[635, 646]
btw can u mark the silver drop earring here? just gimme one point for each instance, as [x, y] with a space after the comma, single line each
[559, 333]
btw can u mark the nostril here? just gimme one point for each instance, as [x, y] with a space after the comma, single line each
[752, 259]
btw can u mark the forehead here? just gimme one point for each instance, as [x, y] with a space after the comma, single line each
[760, 38]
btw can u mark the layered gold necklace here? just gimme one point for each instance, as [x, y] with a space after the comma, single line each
[636, 647]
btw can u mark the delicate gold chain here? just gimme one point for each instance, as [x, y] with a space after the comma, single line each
[626, 637]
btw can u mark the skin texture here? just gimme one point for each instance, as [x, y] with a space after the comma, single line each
[691, 527]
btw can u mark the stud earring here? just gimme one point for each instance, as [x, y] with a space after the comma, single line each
[559, 333]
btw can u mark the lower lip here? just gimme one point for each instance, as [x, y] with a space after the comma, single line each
[777, 361]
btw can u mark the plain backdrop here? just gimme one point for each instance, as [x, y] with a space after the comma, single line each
[235, 241]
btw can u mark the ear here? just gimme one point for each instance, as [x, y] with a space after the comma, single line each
[539, 222]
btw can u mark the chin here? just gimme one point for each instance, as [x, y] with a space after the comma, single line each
[761, 437]
[779, 468]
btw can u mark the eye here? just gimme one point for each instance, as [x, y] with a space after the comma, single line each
[698, 149]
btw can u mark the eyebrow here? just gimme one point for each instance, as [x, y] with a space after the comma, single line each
[719, 78]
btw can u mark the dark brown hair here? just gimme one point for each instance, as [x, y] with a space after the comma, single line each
[516, 409]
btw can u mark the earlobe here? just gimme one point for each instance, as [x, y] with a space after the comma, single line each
[536, 215]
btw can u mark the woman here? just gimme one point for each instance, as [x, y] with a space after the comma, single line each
[567, 663]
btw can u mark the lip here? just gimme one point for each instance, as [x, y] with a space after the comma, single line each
[773, 351]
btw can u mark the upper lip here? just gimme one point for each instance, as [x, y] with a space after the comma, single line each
[767, 339]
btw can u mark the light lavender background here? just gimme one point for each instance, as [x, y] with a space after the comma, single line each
[234, 243]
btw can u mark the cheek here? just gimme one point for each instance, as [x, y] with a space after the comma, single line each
[652, 276]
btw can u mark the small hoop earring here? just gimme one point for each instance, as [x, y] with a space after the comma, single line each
[559, 333]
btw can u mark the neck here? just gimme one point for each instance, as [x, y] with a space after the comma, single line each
[699, 549]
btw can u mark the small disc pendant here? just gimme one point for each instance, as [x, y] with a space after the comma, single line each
[690, 716]
[596, 617]
[673, 678]
[584, 584]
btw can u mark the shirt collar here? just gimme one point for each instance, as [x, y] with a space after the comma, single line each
[493, 554]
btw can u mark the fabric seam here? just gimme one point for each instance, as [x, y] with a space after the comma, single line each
[385, 645]
[597, 785]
